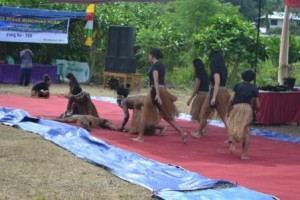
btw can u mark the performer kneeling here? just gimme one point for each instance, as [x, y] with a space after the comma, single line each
[42, 88]
[87, 122]
[240, 112]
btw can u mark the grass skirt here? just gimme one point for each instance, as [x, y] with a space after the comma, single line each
[239, 121]
[197, 105]
[222, 101]
[135, 120]
[135, 123]
[167, 109]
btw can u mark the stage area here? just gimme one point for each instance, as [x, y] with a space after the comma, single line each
[274, 167]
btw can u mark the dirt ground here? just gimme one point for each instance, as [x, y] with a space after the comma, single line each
[32, 168]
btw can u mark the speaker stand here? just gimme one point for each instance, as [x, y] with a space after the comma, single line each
[134, 79]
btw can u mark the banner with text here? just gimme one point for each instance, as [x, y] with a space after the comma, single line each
[31, 30]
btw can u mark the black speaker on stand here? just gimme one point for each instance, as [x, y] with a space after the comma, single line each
[120, 57]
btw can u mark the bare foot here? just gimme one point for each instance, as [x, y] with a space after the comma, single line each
[162, 131]
[138, 139]
[232, 147]
[204, 131]
[125, 130]
[195, 134]
[184, 138]
[244, 157]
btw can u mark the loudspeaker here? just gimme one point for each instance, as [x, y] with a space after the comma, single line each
[120, 41]
[120, 64]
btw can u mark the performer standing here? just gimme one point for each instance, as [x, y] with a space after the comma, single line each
[26, 66]
[201, 87]
[240, 112]
[218, 96]
[158, 100]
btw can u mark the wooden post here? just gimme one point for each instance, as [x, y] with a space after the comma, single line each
[284, 48]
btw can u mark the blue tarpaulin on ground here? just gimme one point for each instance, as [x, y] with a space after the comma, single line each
[165, 180]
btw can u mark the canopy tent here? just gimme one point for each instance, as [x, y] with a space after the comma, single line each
[39, 13]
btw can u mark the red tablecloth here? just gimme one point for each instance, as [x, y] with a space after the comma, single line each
[278, 107]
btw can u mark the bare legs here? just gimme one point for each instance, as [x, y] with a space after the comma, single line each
[140, 137]
[179, 130]
[245, 145]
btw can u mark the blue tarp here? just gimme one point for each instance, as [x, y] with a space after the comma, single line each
[39, 13]
[165, 180]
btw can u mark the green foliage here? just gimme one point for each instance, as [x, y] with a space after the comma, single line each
[294, 72]
[266, 74]
[181, 76]
[237, 39]
[177, 22]
[183, 30]
[191, 16]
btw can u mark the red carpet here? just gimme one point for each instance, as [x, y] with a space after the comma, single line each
[274, 167]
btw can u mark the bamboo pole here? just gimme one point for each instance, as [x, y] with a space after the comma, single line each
[284, 48]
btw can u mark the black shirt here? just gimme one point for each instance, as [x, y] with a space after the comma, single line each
[204, 82]
[158, 66]
[244, 92]
[217, 66]
[40, 86]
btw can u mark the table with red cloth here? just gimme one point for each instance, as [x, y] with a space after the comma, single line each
[278, 107]
[11, 73]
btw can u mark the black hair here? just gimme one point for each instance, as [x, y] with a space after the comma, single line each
[217, 58]
[70, 75]
[156, 53]
[122, 91]
[76, 89]
[73, 81]
[199, 67]
[248, 75]
[46, 77]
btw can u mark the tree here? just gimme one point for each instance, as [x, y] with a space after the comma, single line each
[237, 39]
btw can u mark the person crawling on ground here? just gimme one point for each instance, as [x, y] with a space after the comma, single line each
[136, 103]
[88, 122]
[122, 92]
[41, 89]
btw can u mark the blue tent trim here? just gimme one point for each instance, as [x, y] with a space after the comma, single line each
[39, 13]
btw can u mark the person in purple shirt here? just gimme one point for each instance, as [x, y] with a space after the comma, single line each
[26, 66]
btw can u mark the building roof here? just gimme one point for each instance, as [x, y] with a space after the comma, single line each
[39, 13]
